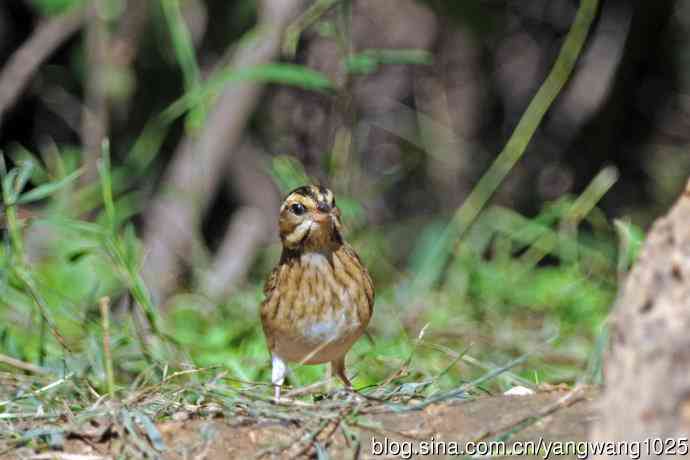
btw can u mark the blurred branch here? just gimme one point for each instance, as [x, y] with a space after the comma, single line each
[48, 36]
[94, 124]
[305, 20]
[28, 367]
[449, 155]
[198, 164]
[63, 104]
[126, 38]
[242, 240]
[123, 50]
[449, 98]
[250, 227]
[590, 86]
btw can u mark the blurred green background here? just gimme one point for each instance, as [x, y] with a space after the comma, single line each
[213, 109]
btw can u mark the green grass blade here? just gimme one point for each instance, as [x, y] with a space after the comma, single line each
[517, 144]
[185, 54]
[20, 154]
[630, 239]
[368, 61]
[25, 171]
[279, 73]
[107, 185]
[46, 190]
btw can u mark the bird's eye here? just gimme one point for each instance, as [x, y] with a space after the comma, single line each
[297, 209]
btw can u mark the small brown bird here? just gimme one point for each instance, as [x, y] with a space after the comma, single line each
[320, 297]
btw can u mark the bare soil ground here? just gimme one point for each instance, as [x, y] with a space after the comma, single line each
[556, 415]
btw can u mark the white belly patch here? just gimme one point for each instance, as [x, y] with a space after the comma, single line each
[327, 330]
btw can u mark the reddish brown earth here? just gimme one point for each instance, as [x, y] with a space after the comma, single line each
[559, 415]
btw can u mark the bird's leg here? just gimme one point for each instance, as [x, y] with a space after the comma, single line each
[278, 371]
[338, 368]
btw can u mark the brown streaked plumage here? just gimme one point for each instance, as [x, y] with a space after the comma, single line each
[320, 297]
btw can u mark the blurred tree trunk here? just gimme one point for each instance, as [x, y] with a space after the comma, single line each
[647, 371]
[252, 225]
[22, 64]
[200, 163]
[96, 111]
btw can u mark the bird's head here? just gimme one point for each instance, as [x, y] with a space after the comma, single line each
[309, 220]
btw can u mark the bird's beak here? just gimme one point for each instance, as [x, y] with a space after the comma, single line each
[321, 217]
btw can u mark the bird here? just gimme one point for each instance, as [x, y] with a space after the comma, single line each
[319, 298]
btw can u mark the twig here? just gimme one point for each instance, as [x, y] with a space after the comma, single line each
[40, 390]
[352, 440]
[10, 361]
[461, 391]
[306, 20]
[475, 362]
[140, 394]
[47, 37]
[309, 439]
[30, 415]
[68, 456]
[308, 389]
[313, 438]
[572, 397]
[378, 428]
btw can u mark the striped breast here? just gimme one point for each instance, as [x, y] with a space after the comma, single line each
[317, 305]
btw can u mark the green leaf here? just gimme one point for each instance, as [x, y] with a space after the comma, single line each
[20, 154]
[48, 189]
[107, 184]
[288, 173]
[25, 169]
[53, 7]
[132, 247]
[186, 58]
[427, 242]
[351, 209]
[3, 165]
[8, 193]
[76, 256]
[280, 73]
[361, 64]
[630, 241]
[368, 61]
[287, 74]
[81, 227]
[514, 149]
